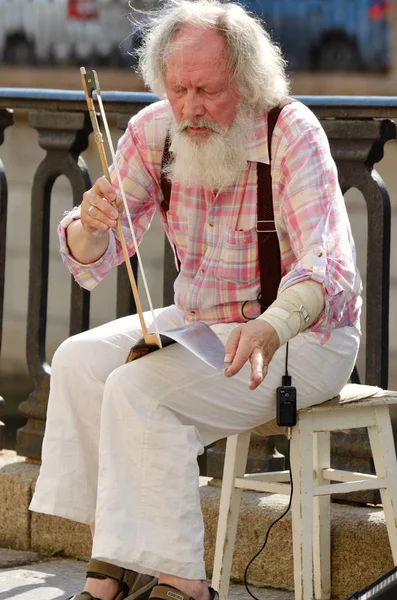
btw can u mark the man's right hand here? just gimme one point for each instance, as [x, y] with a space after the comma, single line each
[88, 237]
[97, 212]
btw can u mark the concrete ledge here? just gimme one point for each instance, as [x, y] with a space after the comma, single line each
[360, 546]
[16, 480]
[50, 534]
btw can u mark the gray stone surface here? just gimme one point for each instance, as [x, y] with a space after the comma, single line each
[60, 578]
[238, 592]
[15, 558]
[49, 580]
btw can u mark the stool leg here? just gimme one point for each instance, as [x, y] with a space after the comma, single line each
[384, 455]
[322, 519]
[235, 464]
[302, 506]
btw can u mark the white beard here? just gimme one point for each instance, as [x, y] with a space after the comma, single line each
[211, 162]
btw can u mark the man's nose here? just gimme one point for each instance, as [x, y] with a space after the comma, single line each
[193, 106]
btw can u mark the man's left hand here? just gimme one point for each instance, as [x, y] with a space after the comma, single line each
[255, 341]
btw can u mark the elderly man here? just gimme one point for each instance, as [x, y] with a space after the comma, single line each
[122, 440]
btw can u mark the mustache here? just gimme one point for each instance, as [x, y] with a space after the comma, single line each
[183, 125]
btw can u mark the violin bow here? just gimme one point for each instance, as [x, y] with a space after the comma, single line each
[91, 85]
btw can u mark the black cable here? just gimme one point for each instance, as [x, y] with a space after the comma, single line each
[263, 308]
[286, 379]
[274, 522]
[286, 360]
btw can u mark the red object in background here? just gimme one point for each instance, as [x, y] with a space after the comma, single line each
[379, 10]
[84, 10]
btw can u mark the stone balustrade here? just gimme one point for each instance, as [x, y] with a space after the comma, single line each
[357, 128]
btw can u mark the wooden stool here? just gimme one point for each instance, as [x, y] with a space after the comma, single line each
[356, 406]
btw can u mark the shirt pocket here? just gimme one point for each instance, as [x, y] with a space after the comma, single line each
[238, 257]
[178, 230]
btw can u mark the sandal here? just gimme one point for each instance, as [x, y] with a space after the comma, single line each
[133, 586]
[168, 592]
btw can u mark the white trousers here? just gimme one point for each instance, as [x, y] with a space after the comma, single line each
[121, 442]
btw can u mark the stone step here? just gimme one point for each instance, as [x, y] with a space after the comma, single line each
[360, 546]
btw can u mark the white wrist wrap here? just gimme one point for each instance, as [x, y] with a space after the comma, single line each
[295, 309]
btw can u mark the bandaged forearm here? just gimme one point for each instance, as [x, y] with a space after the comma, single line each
[295, 309]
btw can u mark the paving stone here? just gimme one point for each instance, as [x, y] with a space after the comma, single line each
[60, 578]
[238, 592]
[49, 580]
[14, 558]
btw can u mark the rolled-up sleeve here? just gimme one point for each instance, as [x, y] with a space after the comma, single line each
[314, 218]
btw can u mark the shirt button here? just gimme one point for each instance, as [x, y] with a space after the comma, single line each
[192, 313]
[201, 271]
[211, 223]
[319, 253]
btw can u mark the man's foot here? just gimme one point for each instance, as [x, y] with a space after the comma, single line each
[193, 588]
[164, 591]
[109, 582]
[102, 589]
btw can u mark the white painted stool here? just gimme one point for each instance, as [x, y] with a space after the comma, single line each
[356, 406]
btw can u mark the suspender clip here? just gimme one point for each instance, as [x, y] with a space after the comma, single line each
[262, 227]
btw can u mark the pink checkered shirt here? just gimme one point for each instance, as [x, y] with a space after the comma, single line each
[215, 235]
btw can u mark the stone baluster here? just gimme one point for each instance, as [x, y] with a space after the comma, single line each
[6, 119]
[64, 136]
[356, 146]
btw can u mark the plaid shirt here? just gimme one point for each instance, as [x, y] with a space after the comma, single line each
[215, 235]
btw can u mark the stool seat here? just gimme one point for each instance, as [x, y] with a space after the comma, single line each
[314, 481]
[351, 392]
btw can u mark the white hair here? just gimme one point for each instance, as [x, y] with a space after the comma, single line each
[255, 61]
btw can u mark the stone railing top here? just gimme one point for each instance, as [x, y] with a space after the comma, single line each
[342, 107]
[71, 100]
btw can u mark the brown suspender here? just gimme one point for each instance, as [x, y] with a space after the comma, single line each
[268, 245]
[164, 182]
